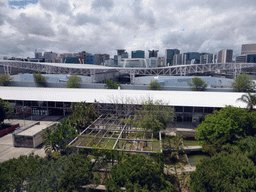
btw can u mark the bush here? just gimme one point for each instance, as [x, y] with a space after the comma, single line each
[155, 85]
[110, 84]
[197, 84]
[74, 82]
[40, 80]
[5, 80]
[243, 83]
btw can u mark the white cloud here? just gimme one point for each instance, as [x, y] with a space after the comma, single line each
[102, 26]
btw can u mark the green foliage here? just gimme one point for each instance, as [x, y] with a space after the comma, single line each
[5, 80]
[153, 116]
[225, 126]
[155, 85]
[56, 138]
[243, 83]
[138, 173]
[6, 110]
[74, 82]
[224, 172]
[197, 84]
[47, 176]
[40, 80]
[249, 99]
[78, 173]
[110, 84]
[14, 172]
[83, 115]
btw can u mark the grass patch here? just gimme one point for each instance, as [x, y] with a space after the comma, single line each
[191, 142]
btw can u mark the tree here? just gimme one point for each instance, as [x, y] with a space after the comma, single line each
[225, 126]
[154, 116]
[110, 84]
[249, 99]
[48, 174]
[6, 110]
[224, 172]
[40, 80]
[74, 82]
[197, 84]
[83, 115]
[78, 173]
[243, 83]
[5, 80]
[137, 173]
[14, 173]
[155, 85]
[57, 137]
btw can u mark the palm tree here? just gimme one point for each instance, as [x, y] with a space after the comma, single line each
[249, 99]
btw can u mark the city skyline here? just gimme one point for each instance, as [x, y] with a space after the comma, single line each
[100, 26]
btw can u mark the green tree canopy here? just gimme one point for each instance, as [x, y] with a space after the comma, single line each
[14, 173]
[110, 84]
[138, 173]
[40, 80]
[78, 173]
[243, 83]
[249, 99]
[154, 116]
[155, 85]
[74, 82]
[6, 110]
[224, 172]
[5, 80]
[197, 84]
[226, 126]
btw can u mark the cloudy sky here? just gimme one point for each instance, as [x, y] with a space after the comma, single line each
[102, 26]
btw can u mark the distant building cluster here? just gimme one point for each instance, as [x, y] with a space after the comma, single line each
[138, 59]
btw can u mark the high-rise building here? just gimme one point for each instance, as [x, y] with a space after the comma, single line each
[241, 59]
[207, 58]
[120, 51]
[138, 54]
[50, 57]
[38, 55]
[225, 56]
[169, 53]
[248, 49]
[152, 53]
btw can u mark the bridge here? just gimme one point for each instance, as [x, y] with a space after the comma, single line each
[92, 70]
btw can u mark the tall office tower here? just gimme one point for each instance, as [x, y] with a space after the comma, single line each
[138, 54]
[124, 55]
[225, 56]
[38, 55]
[248, 49]
[206, 58]
[50, 57]
[169, 53]
[152, 53]
[179, 59]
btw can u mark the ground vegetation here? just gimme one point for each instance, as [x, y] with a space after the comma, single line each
[74, 81]
[5, 80]
[39, 80]
[197, 84]
[243, 83]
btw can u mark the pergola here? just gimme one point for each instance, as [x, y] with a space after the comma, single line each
[108, 132]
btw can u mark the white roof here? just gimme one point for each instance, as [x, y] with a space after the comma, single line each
[173, 98]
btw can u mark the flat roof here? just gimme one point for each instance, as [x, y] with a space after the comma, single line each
[173, 98]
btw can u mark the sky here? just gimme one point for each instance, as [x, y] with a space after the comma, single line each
[103, 26]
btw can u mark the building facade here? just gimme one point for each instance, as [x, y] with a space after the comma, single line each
[248, 49]
[225, 56]
[138, 54]
[169, 54]
[152, 53]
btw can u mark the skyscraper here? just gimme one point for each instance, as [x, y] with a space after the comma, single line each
[169, 53]
[225, 56]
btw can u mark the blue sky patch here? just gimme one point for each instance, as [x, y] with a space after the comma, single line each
[21, 3]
